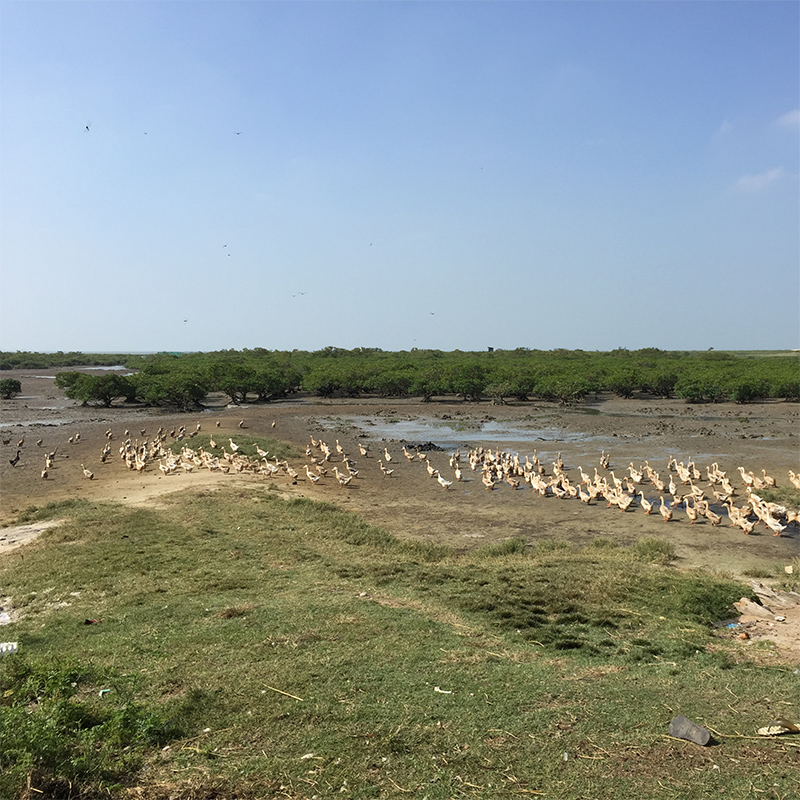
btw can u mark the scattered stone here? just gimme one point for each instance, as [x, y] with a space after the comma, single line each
[749, 608]
[767, 594]
[683, 728]
[426, 447]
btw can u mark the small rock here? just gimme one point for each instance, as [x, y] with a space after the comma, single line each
[683, 728]
[748, 607]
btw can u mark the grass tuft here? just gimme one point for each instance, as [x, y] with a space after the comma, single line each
[49, 510]
[505, 548]
[247, 445]
[758, 572]
[783, 495]
[654, 551]
[236, 611]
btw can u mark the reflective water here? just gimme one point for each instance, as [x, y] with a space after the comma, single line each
[33, 422]
[457, 433]
[450, 434]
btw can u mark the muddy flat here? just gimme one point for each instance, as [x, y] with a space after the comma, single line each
[762, 436]
[408, 502]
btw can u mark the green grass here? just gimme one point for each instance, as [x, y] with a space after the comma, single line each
[654, 550]
[288, 649]
[783, 495]
[58, 730]
[247, 445]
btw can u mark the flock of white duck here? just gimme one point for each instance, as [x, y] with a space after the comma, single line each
[680, 482]
[622, 493]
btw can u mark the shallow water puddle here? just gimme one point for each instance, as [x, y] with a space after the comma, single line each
[32, 423]
[455, 433]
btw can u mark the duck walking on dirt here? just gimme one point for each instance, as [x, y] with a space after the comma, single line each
[666, 511]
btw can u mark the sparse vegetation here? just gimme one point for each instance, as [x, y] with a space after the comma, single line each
[654, 551]
[783, 495]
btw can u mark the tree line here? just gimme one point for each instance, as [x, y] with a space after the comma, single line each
[185, 380]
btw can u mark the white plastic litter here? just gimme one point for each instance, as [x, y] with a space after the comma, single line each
[8, 648]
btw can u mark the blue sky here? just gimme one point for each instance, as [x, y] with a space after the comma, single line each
[451, 175]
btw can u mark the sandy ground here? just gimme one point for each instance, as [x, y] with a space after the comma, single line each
[409, 503]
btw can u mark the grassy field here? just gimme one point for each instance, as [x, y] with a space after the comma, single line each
[234, 644]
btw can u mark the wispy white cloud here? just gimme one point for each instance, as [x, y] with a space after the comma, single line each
[724, 129]
[791, 119]
[755, 183]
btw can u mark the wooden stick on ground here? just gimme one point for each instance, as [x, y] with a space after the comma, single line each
[280, 691]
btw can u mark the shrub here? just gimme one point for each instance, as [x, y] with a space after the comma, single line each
[623, 382]
[322, 381]
[786, 389]
[183, 390]
[699, 390]
[468, 381]
[67, 380]
[9, 387]
[235, 380]
[745, 391]
[662, 384]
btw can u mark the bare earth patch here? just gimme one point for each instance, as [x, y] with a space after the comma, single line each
[18, 535]
[778, 621]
